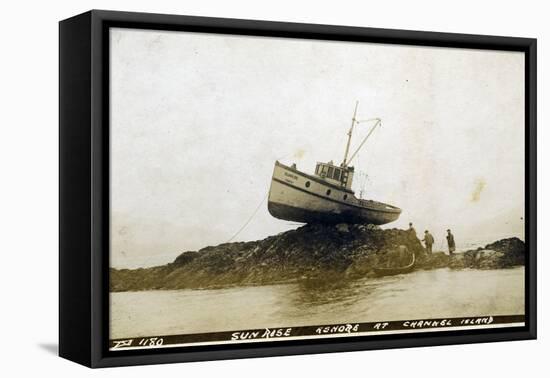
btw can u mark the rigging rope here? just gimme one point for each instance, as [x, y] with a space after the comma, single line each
[249, 219]
[255, 211]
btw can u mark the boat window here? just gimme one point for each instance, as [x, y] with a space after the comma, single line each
[329, 174]
[345, 197]
[323, 170]
[317, 169]
[337, 174]
[328, 192]
[307, 184]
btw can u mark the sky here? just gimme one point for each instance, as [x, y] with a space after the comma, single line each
[197, 122]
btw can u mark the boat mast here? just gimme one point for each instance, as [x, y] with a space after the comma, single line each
[349, 134]
[378, 122]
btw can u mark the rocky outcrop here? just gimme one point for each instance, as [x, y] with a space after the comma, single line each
[309, 252]
[501, 254]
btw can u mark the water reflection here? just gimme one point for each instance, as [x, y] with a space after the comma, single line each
[316, 292]
[326, 300]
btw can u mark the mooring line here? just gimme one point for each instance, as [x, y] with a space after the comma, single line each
[249, 219]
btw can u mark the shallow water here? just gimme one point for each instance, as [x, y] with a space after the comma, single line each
[422, 294]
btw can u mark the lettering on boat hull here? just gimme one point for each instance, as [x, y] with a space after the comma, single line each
[299, 197]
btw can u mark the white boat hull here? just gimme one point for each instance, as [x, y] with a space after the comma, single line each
[299, 197]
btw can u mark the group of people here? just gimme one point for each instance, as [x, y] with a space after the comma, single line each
[429, 240]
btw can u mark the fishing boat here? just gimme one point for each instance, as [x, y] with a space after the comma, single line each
[382, 271]
[326, 196]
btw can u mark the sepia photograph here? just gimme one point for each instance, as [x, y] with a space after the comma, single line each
[266, 188]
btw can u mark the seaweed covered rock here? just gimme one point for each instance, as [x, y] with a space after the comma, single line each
[504, 253]
[313, 250]
[434, 261]
[186, 258]
[513, 250]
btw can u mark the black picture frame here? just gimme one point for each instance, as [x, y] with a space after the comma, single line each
[84, 186]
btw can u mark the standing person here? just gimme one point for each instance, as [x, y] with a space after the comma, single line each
[429, 241]
[451, 242]
[411, 229]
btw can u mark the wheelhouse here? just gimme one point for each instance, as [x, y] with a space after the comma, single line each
[334, 174]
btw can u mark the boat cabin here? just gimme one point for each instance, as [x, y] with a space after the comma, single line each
[337, 175]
